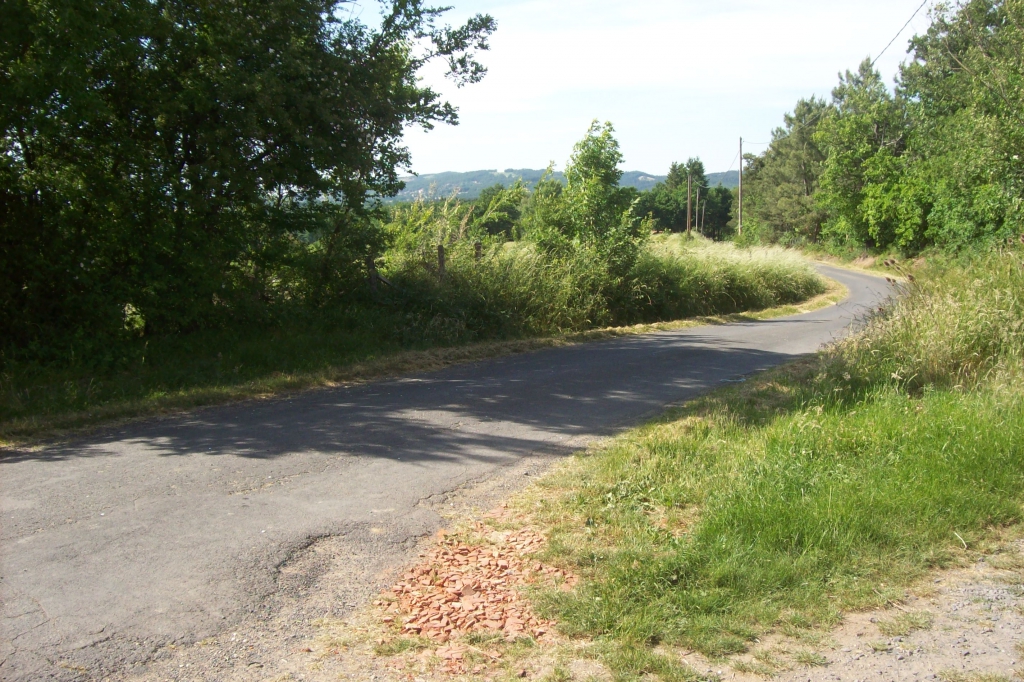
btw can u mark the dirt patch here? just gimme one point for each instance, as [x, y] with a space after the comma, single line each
[965, 625]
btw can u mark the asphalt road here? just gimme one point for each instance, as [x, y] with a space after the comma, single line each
[172, 530]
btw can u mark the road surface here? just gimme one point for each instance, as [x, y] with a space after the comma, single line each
[168, 531]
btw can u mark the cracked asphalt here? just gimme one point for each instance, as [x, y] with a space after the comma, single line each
[118, 543]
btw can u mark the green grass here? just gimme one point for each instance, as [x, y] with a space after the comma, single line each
[829, 485]
[513, 300]
[960, 323]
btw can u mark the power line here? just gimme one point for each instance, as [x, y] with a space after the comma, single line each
[815, 117]
[916, 12]
[733, 163]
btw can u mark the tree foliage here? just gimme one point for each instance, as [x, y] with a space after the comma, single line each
[934, 161]
[666, 203]
[168, 165]
[782, 183]
[592, 214]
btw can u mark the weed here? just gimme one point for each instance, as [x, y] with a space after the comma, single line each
[880, 647]
[962, 676]
[400, 645]
[1007, 561]
[905, 623]
[634, 661]
[810, 659]
[559, 674]
[755, 668]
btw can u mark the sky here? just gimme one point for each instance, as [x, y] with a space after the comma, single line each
[677, 78]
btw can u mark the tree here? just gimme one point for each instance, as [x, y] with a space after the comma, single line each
[498, 209]
[666, 201]
[175, 157]
[716, 212]
[592, 217]
[937, 161]
[781, 185]
[676, 176]
[695, 169]
[964, 175]
[862, 135]
[663, 204]
[594, 199]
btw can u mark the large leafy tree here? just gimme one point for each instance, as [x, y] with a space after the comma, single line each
[498, 209]
[965, 178]
[592, 193]
[184, 161]
[716, 212]
[666, 205]
[592, 215]
[862, 135]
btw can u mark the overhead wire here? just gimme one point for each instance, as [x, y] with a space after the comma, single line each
[733, 162]
[912, 16]
[814, 118]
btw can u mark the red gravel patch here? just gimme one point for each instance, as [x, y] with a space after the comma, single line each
[460, 588]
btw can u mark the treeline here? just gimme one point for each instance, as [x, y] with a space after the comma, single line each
[500, 210]
[934, 162]
[687, 184]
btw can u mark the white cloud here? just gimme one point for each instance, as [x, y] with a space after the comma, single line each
[677, 79]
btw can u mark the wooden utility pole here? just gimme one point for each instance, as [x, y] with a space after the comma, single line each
[739, 221]
[689, 202]
[696, 217]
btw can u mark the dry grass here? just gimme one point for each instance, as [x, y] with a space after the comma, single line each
[961, 676]
[905, 623]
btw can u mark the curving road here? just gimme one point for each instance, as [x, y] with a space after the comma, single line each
[113, 545]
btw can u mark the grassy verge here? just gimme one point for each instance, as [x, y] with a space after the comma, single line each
[828, 485]
[184, 373]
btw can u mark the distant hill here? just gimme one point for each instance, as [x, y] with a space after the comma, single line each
[468, 185]
[729, 179]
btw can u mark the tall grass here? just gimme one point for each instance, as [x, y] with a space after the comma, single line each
[957, 323]
[679, 277]
[517, 289]
[825, 486]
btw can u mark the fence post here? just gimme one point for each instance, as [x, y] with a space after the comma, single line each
[479, 248]
[372, 269]
[440, 262]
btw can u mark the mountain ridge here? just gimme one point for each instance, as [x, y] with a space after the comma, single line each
[468, 185]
